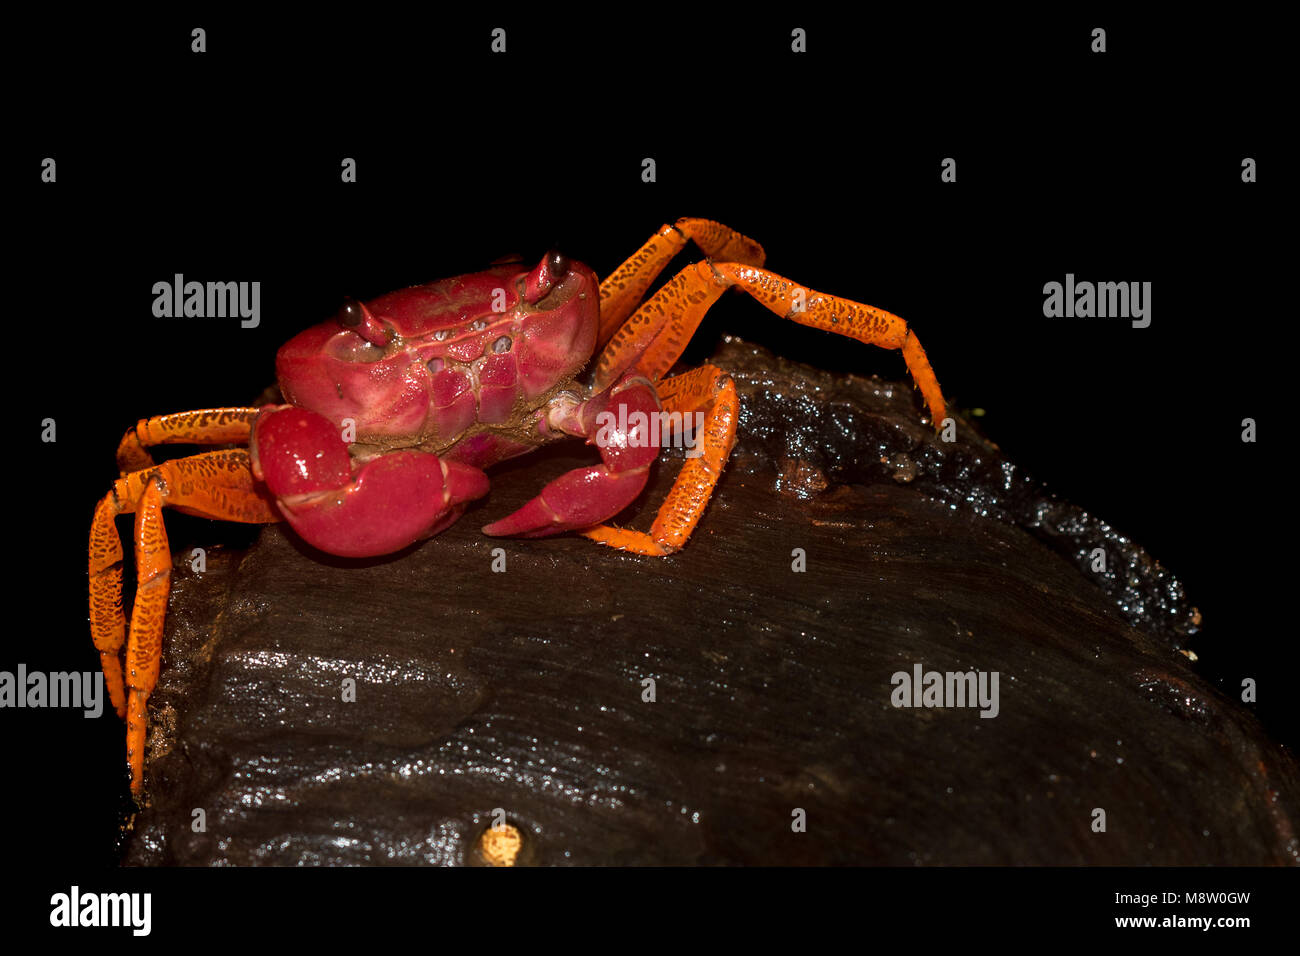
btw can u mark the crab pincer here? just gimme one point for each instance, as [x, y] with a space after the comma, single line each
[617, 421]
[349, 507]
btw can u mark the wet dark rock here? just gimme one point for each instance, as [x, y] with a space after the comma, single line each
[522, 691]
[865, 430]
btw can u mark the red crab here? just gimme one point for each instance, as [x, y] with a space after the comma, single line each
[397, 407]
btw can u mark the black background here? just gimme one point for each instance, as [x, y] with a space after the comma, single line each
[1124, 166]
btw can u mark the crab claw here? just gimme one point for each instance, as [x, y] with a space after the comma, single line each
[577, 499]
[355, 511]
[617, 421]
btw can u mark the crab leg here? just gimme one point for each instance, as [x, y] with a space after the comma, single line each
[216, 484]
[208, 426]
[654, 339]
[617, 421]
[622, 290]
[107, 622]
[153, 563]
[711, 390]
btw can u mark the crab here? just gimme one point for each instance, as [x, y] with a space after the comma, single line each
[396, 407]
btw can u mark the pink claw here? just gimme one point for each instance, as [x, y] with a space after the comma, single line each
[577, 499]
[588, 496]
[387, 503]
[296, 451]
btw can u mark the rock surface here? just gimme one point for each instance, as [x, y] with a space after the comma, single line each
[522, 691]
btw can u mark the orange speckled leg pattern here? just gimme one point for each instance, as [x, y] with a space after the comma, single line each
[216, 484]
[711, 390]
[153, 563]
[208, 426]
[833, 314]
[651, 341]
[655, 337]
[107, 623]
[621, 292]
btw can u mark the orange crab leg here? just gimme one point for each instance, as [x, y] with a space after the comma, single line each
[711, 390]
[655, 337]
[215, 484]
[209, 426]
[623, 289]
[153, 562]
[107, 623]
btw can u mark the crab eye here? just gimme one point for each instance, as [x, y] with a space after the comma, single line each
[355, 316]
[553, 267]
[349, 315]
